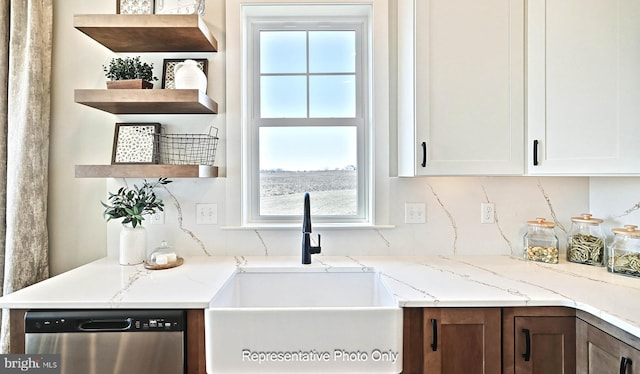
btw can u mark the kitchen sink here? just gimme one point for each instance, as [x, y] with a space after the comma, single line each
[304, 320]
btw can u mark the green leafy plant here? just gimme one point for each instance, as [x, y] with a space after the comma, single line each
[129, 68]
[134, 203]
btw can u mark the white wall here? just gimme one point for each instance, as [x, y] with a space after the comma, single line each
[81, 135]
[616, 200]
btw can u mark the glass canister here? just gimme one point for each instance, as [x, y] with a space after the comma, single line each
[585, 242]
[624, 253]
[541, 242]
[163, 255]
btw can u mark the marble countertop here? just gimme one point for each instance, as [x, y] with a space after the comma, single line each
[426, 281]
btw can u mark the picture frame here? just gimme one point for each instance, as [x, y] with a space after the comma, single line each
[135, 6]
[179, 7]
[168, 66]
[134, 143]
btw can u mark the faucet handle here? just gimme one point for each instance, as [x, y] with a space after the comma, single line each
[316, 249]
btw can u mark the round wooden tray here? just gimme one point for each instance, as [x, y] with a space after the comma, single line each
[154, 266]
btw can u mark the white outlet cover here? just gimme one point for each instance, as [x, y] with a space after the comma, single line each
[487, 213]
[157, 218]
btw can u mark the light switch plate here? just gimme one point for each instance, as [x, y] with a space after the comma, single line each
[206, 214]
[415, 213]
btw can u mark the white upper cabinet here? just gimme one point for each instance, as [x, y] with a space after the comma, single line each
[460, 87]
[583, 78]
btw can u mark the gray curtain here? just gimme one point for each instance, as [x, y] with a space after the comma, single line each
[25, 91]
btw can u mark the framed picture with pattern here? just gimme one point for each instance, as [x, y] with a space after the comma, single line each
[135, 6]
[134, 143]
[169, 66]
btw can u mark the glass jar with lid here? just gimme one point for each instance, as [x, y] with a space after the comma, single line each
[541, 242]
[624, 253]
[163, 255]
[585, 242]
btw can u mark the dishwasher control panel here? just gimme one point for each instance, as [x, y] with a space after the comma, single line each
[117, 320]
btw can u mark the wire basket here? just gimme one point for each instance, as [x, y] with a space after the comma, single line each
[186, 149]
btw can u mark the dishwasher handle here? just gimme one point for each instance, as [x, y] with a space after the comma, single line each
[98, 325]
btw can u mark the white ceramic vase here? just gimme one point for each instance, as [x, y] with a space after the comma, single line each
[133, 245]
[187, 75]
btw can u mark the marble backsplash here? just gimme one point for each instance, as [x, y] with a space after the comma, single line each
[452, 219]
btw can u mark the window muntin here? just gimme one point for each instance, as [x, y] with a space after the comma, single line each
[309, 126]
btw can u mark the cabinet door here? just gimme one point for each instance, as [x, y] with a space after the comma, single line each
[460, 87]
[465, 341]
[601, 353]
[583, 87]
[545, 345]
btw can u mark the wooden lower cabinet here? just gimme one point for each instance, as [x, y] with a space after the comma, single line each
[452, 340]
[539, 340]
[412, 341]
[490, 340]
[195, 349]
[462, 341]
[605, 349]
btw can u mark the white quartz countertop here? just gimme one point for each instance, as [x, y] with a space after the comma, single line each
[428, 281]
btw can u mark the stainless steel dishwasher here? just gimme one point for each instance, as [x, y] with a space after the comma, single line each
[109, 341]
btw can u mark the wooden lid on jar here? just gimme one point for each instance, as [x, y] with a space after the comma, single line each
[541, 222]
[586, 218]
[628, 230]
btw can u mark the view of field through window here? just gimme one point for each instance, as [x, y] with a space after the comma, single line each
[308, 75]
[333, 192]
[319, 160]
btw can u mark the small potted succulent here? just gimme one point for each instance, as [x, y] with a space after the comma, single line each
[129, 72]
[132, 204]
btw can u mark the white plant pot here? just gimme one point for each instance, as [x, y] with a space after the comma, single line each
[133, 245]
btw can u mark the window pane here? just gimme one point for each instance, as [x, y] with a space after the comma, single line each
[332, 96]
[283, 96]
[318, 160]
[332, 51]
[283, 52]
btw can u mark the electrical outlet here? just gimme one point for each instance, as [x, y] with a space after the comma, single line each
[206, 214]
[157, 218]
[487, 213]
[415, 213]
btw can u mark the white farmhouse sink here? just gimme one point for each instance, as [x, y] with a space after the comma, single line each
[304, 320]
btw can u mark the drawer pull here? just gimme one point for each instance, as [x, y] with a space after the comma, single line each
[434, 340]
[424, 155]
[624, 364]
[527, 342]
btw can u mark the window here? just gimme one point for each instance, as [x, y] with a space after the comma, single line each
[308, 127]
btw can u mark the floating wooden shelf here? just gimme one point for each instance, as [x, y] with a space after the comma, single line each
[146, 171]
[131, 101]
[148, 32]
[123, 33]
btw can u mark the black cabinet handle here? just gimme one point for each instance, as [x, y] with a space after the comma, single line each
[527, 341]
[624, 363]
[424, 154]
[535, 152]
[434, 341]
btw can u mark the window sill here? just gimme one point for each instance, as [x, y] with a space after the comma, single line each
[319, 226]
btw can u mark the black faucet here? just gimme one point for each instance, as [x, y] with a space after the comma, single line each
[307, 248]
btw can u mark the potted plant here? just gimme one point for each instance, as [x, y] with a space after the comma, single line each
[132, 204]
[129, 72]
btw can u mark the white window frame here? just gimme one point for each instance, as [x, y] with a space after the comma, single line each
[235, 110]
[361, 120]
